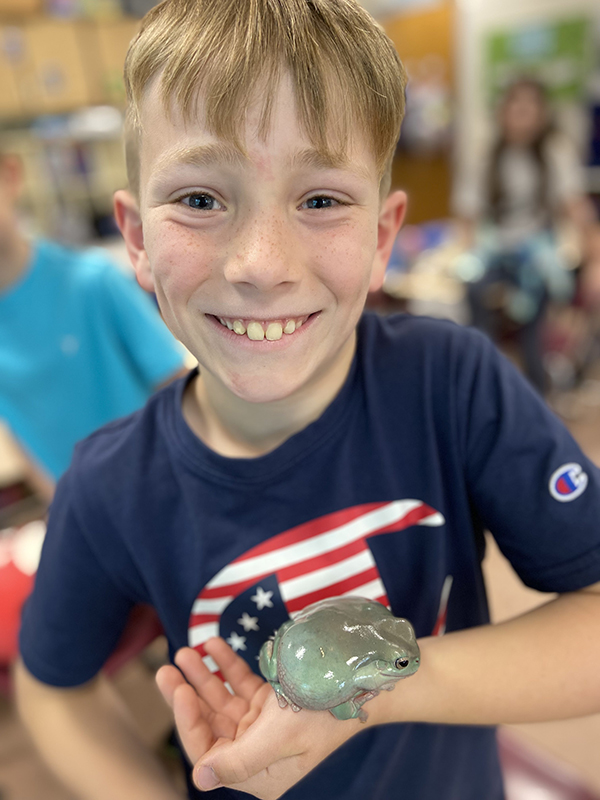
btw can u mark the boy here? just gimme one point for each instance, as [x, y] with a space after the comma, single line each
[80, 343]
[314, 453]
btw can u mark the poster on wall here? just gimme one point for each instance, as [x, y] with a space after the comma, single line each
[557, 52]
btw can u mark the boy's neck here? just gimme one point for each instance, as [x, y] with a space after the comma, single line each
[237, 429]
[14, 258]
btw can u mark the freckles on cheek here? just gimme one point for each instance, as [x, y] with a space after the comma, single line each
[345, 262]
[179, 261]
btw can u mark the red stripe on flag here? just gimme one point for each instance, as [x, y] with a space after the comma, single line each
[310, 529]
[412, 518]
[232, 589]
[322, 560]
[203, 619]
[332, 590]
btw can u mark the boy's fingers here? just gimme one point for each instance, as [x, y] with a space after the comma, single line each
[207, 684]
[194, 731]
[236, 671]
[168, 679]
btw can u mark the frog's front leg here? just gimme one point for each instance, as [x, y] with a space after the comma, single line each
[267, 661]
[353, 707]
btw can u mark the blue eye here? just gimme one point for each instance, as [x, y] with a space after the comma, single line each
[201, 202]
[321, 201]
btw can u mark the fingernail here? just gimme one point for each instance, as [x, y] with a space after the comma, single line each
[206, 779]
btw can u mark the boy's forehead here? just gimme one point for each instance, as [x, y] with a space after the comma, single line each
[169, 139]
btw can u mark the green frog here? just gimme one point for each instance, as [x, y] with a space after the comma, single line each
[337, 654]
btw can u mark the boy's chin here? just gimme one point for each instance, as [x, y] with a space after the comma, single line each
[261, 391]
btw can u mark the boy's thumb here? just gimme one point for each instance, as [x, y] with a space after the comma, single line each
[205, 778]
[231, 763]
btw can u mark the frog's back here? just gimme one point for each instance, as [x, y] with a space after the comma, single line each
[316, 654]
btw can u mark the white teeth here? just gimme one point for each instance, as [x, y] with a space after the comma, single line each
[255, 331]
[274, 331]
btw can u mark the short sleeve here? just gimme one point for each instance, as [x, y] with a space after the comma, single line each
[567, 179]
[152, 349]
[528, 479]
[469, 195]
[76, 613]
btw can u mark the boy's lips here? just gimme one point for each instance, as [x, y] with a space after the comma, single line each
[259, 330]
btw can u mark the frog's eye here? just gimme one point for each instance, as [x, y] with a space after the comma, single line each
[401, 663]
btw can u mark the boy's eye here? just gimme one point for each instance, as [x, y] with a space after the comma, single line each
[321, 201]
[201, 202]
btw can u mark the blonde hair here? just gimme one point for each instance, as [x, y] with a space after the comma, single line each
[344, 70]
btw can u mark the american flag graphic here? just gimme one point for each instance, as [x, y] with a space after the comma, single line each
[252, 596]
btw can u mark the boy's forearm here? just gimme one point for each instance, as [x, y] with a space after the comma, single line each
[87, 738]
[540, 666]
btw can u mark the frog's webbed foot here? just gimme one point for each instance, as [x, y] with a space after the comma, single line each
[282, 700]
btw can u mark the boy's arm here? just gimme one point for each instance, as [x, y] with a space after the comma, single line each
[539, 666]
[86, 736]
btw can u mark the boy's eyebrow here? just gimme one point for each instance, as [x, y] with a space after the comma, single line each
[311, 157]
[205, 155]
[201, 155]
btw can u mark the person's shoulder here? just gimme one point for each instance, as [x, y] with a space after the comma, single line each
[52, 257]
[560, 150]
[126, 450]
[402, 331]
[565, 163]
[403, 348]
[77, 265]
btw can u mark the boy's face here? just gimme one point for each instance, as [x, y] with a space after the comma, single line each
[268, 243]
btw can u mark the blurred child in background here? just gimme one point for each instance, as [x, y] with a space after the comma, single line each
[513, 205]
[80, 342]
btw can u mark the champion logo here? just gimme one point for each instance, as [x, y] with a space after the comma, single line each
[568, 482]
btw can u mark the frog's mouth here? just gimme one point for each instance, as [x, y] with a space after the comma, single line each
[387, 670]
[388, 685]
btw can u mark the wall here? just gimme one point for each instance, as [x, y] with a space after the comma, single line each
[418, 34]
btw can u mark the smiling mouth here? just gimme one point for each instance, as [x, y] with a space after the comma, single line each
[260, 330]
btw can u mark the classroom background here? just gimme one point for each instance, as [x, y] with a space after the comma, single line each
[61, 113]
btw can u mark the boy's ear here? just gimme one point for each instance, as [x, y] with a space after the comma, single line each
[127, 216]
[391, 217]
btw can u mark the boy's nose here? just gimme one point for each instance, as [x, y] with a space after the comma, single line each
[262, 255]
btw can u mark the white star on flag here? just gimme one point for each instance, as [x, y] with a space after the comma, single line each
[262, 598]
[237, 642]
[248, 623]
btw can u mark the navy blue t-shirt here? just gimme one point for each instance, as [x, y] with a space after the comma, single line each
[433, 438]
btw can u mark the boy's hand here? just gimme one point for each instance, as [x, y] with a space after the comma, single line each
[245, 740]
[205, 711]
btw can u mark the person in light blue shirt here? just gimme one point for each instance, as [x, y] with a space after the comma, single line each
[80, 342]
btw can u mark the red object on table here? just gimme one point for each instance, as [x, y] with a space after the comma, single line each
[19, 556]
